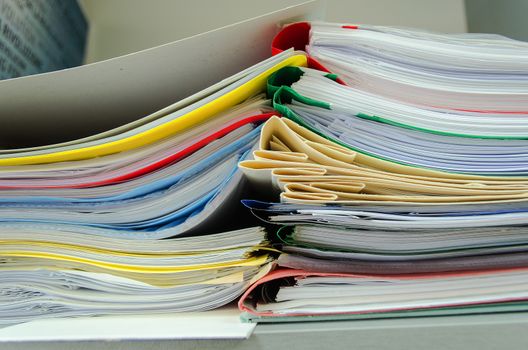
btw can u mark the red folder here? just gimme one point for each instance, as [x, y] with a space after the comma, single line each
[245, 303]
[207, 138]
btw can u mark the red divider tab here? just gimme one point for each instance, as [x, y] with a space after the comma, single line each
[297, 35]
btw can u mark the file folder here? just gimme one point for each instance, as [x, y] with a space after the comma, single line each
[237, 94]
[387, 205]
[127, 216]
[97, 97]
[264, 290]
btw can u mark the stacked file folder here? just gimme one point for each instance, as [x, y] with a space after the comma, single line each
[394, 164]
[401, 172]
[137, 219]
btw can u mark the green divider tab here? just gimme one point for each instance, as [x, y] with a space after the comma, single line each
[283, 77]
[331, 76]
[280, 91]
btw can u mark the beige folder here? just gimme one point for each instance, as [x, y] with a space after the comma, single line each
[307, 168]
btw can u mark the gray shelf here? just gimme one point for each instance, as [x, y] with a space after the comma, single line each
[482, 332]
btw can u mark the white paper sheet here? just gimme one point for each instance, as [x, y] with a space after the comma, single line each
[222, 323]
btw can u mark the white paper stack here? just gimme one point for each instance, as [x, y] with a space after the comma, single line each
[402, 177]
[480, 72]
[137, 219]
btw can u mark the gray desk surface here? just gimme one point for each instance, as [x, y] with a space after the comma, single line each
[501, 331]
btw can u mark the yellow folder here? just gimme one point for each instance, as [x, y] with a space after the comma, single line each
[172, 127]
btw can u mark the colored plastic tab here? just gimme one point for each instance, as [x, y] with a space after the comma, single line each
[297, 35]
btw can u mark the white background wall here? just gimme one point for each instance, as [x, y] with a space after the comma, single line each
[123, 26]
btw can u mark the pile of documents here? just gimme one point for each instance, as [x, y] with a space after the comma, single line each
[395, 174]
[133, 219]
[403, 178]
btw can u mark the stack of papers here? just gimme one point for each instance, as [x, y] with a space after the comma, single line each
[296, 295]
[482, 72]
[392, 204]
[133, 220]
[55, 274]
[398, 187]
